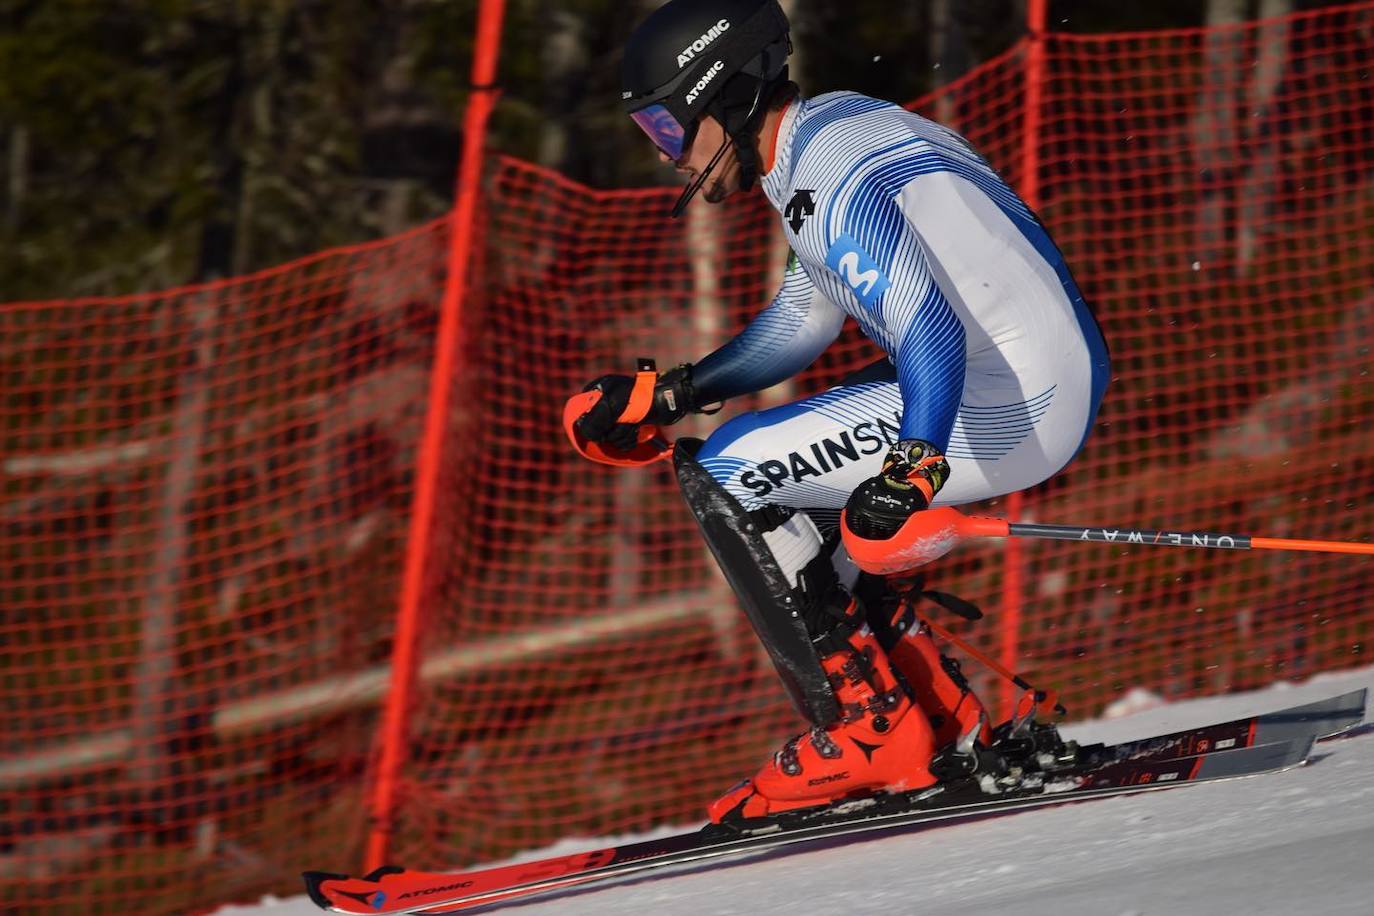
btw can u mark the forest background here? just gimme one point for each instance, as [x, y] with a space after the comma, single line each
[149, 144]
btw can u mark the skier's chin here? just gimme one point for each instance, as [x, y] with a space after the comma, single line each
[717, 190]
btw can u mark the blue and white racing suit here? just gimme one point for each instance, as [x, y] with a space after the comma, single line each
[994, 356]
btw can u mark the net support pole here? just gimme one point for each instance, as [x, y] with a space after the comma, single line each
[1013, 557]
[394, 737]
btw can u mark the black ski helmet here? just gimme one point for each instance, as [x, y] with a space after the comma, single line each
[696, 57]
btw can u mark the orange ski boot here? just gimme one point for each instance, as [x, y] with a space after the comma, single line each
[938, 685]
[939, 688]
[880, 742]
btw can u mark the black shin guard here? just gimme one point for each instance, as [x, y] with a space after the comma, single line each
[779, 611]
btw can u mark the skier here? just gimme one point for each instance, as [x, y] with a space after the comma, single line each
[995, 372]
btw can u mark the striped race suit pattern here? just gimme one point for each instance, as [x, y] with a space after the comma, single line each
[994, 356]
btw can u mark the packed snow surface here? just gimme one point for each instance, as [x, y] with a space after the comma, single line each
[1301, 841]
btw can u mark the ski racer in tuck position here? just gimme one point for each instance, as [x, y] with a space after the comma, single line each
[994, 374]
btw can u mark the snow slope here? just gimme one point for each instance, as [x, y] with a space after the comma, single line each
[1287, 843]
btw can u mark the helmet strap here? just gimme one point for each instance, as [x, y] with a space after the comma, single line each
[741, 116]
[742, 132]
[691, 190]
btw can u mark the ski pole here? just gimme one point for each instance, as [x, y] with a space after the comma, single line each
[1174, 538]
[931, 534]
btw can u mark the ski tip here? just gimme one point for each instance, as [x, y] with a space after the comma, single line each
[1294, 753]
[1338, 713]
[1361, 700]
[1326, 718]
[1304, 749]
[313, 880]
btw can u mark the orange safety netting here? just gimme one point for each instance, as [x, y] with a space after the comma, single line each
[203, 498]
[205, 492]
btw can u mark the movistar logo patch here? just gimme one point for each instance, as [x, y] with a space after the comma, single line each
[858, 271]
[705, 81]
[690, 52]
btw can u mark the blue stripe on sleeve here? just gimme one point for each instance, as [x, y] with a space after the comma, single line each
[782, 340]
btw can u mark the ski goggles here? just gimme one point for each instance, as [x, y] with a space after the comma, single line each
[664, 130]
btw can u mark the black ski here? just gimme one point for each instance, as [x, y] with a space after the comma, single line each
[395, 890]
[1322, 719]
[1241, 747]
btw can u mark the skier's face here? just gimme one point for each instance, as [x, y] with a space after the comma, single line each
[724, 179]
